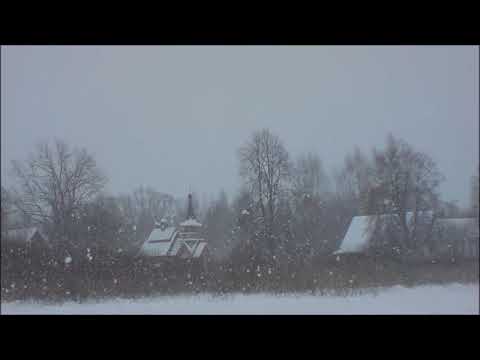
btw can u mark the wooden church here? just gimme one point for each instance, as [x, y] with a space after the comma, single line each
[170, 242]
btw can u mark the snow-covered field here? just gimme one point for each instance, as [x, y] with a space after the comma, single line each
[451, 299]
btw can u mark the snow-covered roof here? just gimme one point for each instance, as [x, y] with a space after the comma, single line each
[175, 247]
[191, 245]
[159, 242]
[357, 237]
[161, 235]
[190, 222]
[24, 234]
[199, 249]
[169, 242]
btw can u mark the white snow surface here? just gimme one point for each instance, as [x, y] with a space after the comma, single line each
[434, 299]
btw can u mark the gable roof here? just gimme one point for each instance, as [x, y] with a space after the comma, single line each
[176, 247]
[357, 237]
[191, 245]
[199, 249]
[183, 251]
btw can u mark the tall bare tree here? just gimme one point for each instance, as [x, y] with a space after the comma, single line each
[311, 192]
[265, 167]
[53, 183]
[309, 177]
[354, 180]
[405, 180]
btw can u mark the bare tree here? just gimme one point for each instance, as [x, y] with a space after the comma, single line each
[265, 167]
[405, 181]
[311, 192]
[102, 226]
[53, 184]
[309, 176]
[144, 207]
[354, 180]
[219, 226]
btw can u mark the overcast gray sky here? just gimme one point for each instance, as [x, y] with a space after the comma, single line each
[173, 116]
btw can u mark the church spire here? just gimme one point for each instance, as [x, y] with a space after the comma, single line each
[190, 214]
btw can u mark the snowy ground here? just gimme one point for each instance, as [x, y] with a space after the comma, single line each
[451, 299]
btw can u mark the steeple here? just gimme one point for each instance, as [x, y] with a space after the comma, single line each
[190, 214]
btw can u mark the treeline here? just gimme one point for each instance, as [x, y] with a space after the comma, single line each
[276, 233]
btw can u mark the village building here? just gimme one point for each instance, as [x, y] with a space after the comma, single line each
[169, 242]
[449, 238]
